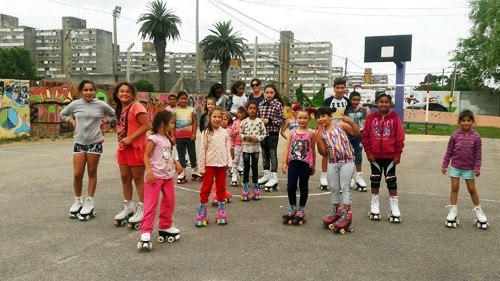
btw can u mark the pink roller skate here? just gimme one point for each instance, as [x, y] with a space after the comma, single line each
[300, 216]
[330, 219]
[201, 219]
[344, 223]
[256, 191]
[221, 214]
[244, 192]
[288, 216]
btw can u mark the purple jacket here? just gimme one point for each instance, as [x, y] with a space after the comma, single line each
[464, 151]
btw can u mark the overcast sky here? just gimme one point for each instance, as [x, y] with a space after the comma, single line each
[436, 26]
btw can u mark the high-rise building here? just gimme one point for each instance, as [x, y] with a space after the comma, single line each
[13, 35]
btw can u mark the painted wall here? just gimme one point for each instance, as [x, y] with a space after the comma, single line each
[14, 108]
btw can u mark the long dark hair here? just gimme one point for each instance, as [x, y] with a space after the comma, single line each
[82, 84]
[276, 93]
[118, 107]
[214, 88]
[162, 117]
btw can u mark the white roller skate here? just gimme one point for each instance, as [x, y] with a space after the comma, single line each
[145, 243]
[395, 215]
[481, 220]
[452, 218]
[360, 182]
[181, 178]
[128, 209]
[265, 178]
[374, 214]
[87, 210]
[323, 182]
[170, 235]
[234, 179]
[195, 176]
[240, 170]
[74, 210]
[135, 221]
[272, 184]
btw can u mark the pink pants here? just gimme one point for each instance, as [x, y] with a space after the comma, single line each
[151, 196]
[220, 182]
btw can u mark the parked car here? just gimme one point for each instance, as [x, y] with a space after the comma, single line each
[432, 106]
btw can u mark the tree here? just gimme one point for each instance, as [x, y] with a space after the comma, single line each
[159, 25]
[222, 46]
[16, 63]
[478, 56]
[143, 86]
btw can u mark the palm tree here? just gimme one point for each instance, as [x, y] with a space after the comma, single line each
[222, 46]
[159, 25]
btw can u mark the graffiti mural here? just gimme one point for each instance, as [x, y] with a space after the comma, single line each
[14, 109]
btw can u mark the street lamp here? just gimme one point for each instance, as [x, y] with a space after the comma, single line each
[116, 13]
[128, 60]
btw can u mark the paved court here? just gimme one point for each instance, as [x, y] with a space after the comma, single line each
[40, 242]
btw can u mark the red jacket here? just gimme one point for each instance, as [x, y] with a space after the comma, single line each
[383, 136]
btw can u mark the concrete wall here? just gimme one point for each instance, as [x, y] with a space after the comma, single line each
[415, 115]
[480, 103]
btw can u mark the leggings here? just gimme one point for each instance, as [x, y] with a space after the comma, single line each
[298, 171]
[269, 147]
[339, 177]
[247, 158]
[182, 145]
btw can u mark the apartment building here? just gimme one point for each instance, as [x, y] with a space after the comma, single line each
[13, 35]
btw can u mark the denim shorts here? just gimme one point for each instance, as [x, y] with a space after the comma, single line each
[457, 173]
[94, 148]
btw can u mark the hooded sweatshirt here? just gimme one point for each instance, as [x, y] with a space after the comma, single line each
[383, 136]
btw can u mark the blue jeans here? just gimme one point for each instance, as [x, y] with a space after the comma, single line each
[358, 149]
[247, 158]
[269, 147]
[182, 145]
[298, 171]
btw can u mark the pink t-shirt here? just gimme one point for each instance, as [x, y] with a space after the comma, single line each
[236, 139]
[128, 123]
[301, 147]
[162, 157]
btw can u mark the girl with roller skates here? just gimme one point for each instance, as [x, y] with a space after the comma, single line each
[236, 143]
[159, 159]
[229, 195]
[133, 123]
[332, 143]
[383, 141]
[299, 160]
[86, 116]
[185, 136]
[215, 158]
[252, 132]
[271, 113]
[464, 151]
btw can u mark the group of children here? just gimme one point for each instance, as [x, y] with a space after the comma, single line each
[254, 128]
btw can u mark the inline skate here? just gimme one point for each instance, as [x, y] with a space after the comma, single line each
[256, 192]
[272, 184]
[170, 235]
[244, 192]
[331, 218]
[195, 176]
[128, 209]
[395, 215]
[481, 220]
[452, 218]
[300, 216]
[221, 214]
[201, 219]
[323, 182]
[374, 213]
[360, 182]
[145, 243]
[181, 178]
[134, 222]
[74, 210]
[343, 224]
[87, 210]
[289, 215]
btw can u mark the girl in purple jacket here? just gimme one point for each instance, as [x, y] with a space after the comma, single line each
[464, 151]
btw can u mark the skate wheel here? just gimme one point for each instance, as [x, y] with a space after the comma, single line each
[331, 226]
[204, 223]
[161, 239]
[301, 223]
[130, 226]
[277, 188]
[290, 222]
[137, 226]
[139, 245]
[342, 231]
[170, 239]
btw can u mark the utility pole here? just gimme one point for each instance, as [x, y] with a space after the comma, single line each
[116, 12]
[197, 68]
[453, 86]
[128, 61]
[345, 67]
[286, 37]
[256, 47]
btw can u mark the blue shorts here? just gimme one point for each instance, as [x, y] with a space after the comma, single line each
[457, 173]
[94, 148]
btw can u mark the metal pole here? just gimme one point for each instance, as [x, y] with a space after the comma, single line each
[453, 87]
[255, 58]
[197, 68]
[128, 61]
[428, 87]
[116, 12]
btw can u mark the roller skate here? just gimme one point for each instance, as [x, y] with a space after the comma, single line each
[300, 216]
[128, 209]
[135, 221]
[181, 178]
[234, 179]
[452, 218]
[221, 214]
[395, 215]
[360, 182]
[87, 210]
[170, 235]
[343, 224]
[330, 219]
[256, 192]
[201, 219]
[215, 202]
[195, 176]
[374, 213]
[145, 243]
[352, 184]
[272, 184]
[289, 215]
[244, 193]
[481, 220]
[265, 178]
[229, 197]
[323, 182]
[240, 170]
[74, 210]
